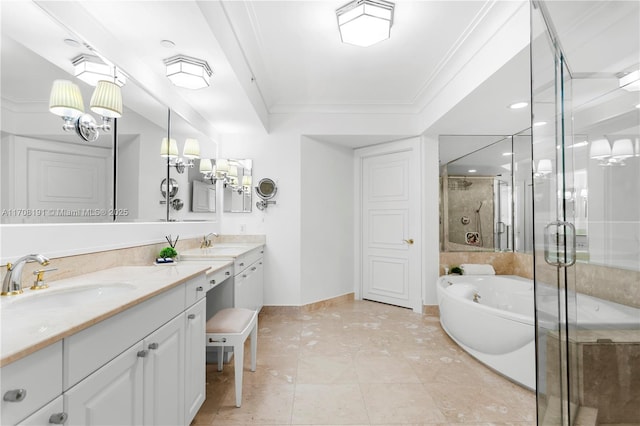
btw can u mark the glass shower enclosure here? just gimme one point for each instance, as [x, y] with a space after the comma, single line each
[585, 60]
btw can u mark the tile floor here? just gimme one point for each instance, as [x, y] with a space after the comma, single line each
[362, 363]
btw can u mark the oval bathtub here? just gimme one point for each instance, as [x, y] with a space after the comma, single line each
[492, 318]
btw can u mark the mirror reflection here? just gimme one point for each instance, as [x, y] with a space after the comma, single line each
[236, 179]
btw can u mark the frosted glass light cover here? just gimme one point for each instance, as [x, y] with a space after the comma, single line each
[366, 23]
[65, 99]
[107, 100]
[600, 149]
[205, 166]
[187, 72]
[622, 148]
[191, 148]
[169, 148]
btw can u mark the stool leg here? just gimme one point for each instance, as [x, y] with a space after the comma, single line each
[254, 346]
[220, 357]
[238, 365]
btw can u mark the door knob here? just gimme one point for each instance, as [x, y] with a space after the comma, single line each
[409, 241]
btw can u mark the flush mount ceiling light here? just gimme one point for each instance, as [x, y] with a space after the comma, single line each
[365, 22]
[187, 72]
[630, 82]
[65, 100]
[91, 69]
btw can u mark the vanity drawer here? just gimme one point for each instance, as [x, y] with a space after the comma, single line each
[242, 262]
[39, 374]
[196, 289]
[217, 277]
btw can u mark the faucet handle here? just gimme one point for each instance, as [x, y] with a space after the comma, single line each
[39, 283]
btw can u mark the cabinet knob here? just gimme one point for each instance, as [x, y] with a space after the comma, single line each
[212, 282]
[244, 275]
[143, 354]
[58, 418]
[15, 395]
[241, 263]
[254, 268]
[191, 316]
[227, 273]
[153, 346]
[199, 288]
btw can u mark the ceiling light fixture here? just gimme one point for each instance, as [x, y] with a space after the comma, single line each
[187, 72]
[65, 100]
[91, 69]
[539, 123]
[365, 22]
[630, 82]
[518, 105]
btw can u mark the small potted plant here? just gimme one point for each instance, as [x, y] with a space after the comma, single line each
[455, 270]
[168, 254]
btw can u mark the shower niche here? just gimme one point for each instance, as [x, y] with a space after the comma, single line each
[482, 196]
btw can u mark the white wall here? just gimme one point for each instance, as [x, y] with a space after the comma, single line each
[276, 156]
[327, 256]
[430, 219]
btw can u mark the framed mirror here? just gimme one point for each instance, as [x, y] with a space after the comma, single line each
[237, 178]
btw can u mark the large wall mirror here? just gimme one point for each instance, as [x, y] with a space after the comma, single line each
[485, 195]
[52, 176]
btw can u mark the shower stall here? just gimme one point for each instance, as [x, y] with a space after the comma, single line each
[585, 66]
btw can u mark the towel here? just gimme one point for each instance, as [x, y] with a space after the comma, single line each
[477, 269]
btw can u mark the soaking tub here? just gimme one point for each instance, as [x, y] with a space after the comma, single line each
[492, 318]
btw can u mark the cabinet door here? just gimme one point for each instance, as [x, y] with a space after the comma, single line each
[195, 359]
[110, 396]
[258, 284]
[164, 374]
[242, 290]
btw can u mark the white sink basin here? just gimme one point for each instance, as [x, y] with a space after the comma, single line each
[52, 298]
[211, 252]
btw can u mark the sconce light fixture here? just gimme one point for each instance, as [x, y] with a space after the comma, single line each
[630, 82]
[187, 72]
[65, 100]
[545, 167]
[606, 155]
[365, 22]
[91, 69]
[221, 172]
[191, 151]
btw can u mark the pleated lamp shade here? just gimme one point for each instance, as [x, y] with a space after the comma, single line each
[65, 99]
[107, 100]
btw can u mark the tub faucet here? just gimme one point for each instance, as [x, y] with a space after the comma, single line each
[12, 283]
[206, 242]
[476, 297]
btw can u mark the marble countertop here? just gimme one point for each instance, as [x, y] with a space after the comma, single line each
[38, 318]
[219, 251]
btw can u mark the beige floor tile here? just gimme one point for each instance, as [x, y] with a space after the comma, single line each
[266, 405]
[383, 367]
[326, 368]
[336, 404]
[271, 369]
[400, 403]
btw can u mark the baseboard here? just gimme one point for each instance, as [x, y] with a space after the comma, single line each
[311, 307]
[431, 310]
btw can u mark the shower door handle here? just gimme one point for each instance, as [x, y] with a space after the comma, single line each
[560, 244]
[409, 241]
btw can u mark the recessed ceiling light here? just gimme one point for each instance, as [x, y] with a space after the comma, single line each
[71, 42]
[579, 144]
[472, 171]
[539, 123]
[638, 106]
[505, 154]
[518, 105]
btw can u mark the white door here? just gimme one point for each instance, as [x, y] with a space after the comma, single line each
[110, 396]
[389, 229]
[164, 374]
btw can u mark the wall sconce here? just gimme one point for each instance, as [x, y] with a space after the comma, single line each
[545, 167]
[187, 72]
[191, 151]
[606, 155]
[91, 69]
[219, 173]
[65, 100]
[365, 22]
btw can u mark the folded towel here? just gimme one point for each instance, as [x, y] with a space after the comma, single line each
[477, 269]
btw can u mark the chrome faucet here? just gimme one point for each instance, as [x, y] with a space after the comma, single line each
[476, 297]
[206, 242]
[12, 283]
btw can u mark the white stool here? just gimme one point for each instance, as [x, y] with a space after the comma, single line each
[230, 327]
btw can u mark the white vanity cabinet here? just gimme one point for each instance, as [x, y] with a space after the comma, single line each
[51, 414]
[195, 359]
[248, 280]
[31, 383]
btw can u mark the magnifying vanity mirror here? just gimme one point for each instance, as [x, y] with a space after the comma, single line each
[266, 190]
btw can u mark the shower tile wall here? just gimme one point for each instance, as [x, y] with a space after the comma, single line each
[464, 197]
